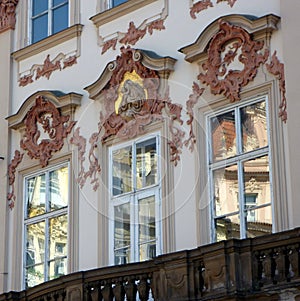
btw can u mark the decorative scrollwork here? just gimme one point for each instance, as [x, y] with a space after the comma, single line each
[193, 99]
[44, 115]
[232, 46]
[277, 69]
[199, 6]
[11, 177]
[229, 2]
[8, 14]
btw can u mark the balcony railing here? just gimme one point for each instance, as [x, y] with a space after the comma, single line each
[264, 268]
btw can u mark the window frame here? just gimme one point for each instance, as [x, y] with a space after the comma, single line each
[132, 198]
[45, 217]
[49, 13]
[110, 3]
[238, 159]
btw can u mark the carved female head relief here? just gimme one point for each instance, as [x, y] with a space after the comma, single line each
[131, 96]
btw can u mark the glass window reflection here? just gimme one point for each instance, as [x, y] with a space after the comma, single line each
[122, 171]
[223, 136]
[36, 196]
[226, 190]
[122, 234]
[254, 126]
[146, 163]
[240, 172]
[46, 226]
[147, 232]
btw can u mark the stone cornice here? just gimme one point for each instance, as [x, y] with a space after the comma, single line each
[7, 14]
[51, 41]
[65, 102]
[116, 12]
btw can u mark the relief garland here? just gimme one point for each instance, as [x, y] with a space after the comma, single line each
[11, 197]
[277, 69]
[201, 5]
[49, 66]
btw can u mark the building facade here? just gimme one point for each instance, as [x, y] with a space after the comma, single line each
[136, 129]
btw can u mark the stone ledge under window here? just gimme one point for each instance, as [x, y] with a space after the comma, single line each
[51, 41]
[119, 11]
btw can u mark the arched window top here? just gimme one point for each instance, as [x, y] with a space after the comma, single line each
[258, 27]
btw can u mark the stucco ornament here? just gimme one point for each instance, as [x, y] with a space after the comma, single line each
[276, 68]
[233, 61]
[229, 2]
[45, 130]
[11, 197]
[8, 14]
[200, 6]
[132, 100]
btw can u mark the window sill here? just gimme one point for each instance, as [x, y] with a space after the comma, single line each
[51, 41]
[119, 11]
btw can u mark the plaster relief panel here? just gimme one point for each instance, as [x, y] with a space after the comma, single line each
[197, 7]
[44, 121]
[8, 14]
[276, 68]
[233, 60]
[230, 57]
[41, 59]
[133, 94]
[45, 130]
[155, 13]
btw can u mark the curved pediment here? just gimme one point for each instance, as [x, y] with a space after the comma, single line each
[144, 63]
[259, 27]
[63, 101]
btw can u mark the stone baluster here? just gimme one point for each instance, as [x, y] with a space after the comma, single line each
[107, 292]
[143, 288]
[131, 290]
[119, 291]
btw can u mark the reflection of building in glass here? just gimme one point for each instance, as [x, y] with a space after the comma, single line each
[46, 226]
[242, 199]
[135, 200]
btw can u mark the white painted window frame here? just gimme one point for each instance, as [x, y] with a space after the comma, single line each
[49, 12]
[44, 217]
[132, 198]
[239, 159]
[110, 4]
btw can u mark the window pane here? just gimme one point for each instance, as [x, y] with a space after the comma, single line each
[59, 187]
[57, 2]
[34, 275]
[39, 6]
[35, 243]
[122, 171]
[146, 163]
[36, 196]
[58, 238]
[226, 190]
[223, 136]
[57, 268]
[259, 221]
[254, 126]
[117, 2]
[257, 181]
[39, 28]
[122, 234]
[60, 18]
[228, 227]
[147, 233]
